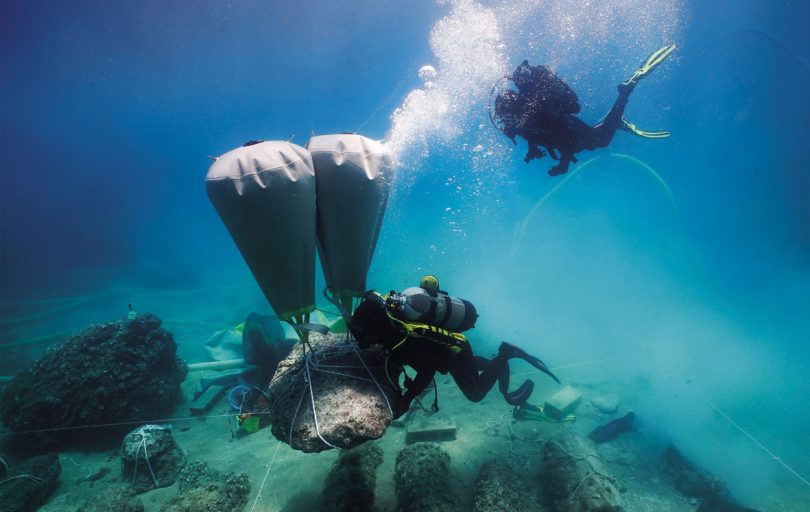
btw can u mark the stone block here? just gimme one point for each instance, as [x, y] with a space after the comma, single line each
[562, 403]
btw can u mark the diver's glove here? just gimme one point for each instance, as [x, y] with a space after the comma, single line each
[534, 152]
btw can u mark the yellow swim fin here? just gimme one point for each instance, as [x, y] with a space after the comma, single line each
[635, 130]
[648, 65]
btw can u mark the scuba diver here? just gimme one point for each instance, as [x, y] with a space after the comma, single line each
[542, 111]
[421, 328]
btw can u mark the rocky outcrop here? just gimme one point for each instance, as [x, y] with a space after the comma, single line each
[349, 407]
[112, 373]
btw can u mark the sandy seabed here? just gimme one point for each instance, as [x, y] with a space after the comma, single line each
[283, 479]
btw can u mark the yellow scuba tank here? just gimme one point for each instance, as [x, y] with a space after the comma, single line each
[429, 305]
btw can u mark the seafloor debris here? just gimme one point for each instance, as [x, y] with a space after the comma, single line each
[334, 396]
[203, 488]
[150, 458]
[117, 372]
[613, 429]
[688, 478]
[576, 480]
[422, 476]
[499, 489]
[27, 485]
[350, 484]
[120, 498]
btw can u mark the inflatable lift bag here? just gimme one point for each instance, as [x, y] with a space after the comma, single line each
[265, 195]
[353, 179]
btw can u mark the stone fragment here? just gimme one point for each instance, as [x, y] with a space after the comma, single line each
[430, 428]
[562, 403]
[347, 402]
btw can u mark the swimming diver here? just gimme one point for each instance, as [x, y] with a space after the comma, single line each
[427, 347]
[542, 111]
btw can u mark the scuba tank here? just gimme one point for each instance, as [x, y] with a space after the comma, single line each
[434, 307]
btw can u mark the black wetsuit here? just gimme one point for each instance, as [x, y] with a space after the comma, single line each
[533, 113]
[473, 374]
[429, 353]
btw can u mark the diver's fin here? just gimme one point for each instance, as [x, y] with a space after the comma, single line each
[512, 352]
[635, 130]
[648, 65]
[521, 394]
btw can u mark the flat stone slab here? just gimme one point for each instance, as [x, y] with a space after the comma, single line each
[562, 403]
[207, 400]
[431, 428]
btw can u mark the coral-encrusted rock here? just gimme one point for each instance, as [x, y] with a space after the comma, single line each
[499, 489]
[350, 484]
[203, 489]
[349, 405]
[422, 478]
[112, 373]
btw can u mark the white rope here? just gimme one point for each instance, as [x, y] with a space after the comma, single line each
[711, 404]
[314, 412]
[770, 453]
[264, 480]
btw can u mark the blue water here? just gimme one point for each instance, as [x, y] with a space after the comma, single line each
[684, 262]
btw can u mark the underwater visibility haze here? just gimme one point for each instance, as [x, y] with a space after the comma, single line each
[664, 281]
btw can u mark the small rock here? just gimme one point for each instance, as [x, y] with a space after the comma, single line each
[606, 404]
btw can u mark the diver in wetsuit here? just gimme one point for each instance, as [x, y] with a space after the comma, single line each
[542, 111]
[428, 349]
